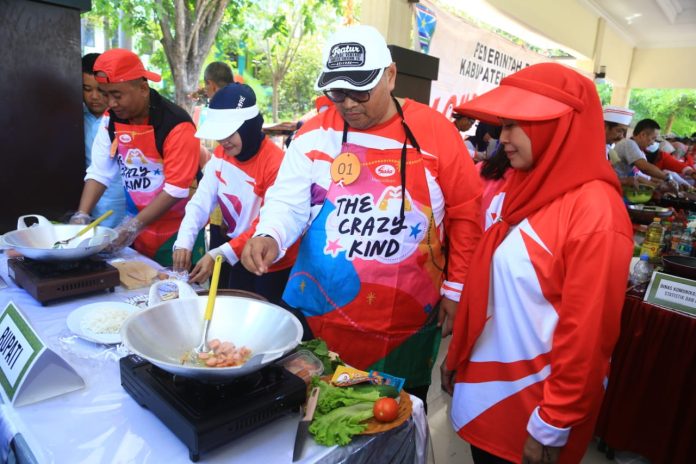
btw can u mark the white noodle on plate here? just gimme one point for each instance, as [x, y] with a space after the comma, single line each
[104, 321]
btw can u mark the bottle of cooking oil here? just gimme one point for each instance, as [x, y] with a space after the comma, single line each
[653, 241]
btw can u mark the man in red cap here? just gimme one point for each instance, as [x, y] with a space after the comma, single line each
[150, 143]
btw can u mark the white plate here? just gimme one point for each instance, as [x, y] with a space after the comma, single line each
[75, 321]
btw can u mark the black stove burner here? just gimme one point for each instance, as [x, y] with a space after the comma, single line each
[50, 281]
[59, 268]
[207, 415]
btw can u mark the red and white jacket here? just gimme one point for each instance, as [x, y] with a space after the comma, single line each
[238, 187]
[453, 185]
[558, 282]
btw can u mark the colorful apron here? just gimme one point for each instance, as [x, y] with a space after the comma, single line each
[369, 269]
[142, 173]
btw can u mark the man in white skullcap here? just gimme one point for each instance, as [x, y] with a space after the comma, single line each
[616, 122]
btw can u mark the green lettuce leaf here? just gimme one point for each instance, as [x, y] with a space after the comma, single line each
[338, 426]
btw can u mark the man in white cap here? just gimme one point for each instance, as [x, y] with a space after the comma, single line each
[616, 122]
[375, 184]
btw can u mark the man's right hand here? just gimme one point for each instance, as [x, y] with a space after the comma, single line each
[259, 253]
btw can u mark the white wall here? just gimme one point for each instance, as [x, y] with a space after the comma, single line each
[571, 23]
[673, 68]
[563, 21]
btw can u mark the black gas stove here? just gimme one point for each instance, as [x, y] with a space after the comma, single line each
[48, 281]
[204, 416]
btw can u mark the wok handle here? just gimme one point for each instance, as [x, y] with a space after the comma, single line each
[212, 293]
[42, 221]
[95, 223]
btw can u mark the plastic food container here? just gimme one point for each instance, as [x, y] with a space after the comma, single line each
[303, 364]
[642, 194]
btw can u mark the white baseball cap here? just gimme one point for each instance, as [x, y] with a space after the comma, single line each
[618, 114]
[229, 108]
[354, 58]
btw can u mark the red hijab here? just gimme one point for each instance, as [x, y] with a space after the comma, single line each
[560, 112]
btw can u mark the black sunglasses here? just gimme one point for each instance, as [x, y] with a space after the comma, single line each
[339, 95]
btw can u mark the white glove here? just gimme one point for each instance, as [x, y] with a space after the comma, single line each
[127, 231]
[80, 218]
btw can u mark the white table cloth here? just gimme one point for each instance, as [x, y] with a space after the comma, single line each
[102, 423]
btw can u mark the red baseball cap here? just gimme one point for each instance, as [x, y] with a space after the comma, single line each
[121, 65]
[523, 96]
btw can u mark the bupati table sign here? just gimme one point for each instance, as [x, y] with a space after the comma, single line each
[672, 292]
[29, 370]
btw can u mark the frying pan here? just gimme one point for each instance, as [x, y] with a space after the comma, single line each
[682, 266]
[36, 241]
[169, 330]
[644, 214]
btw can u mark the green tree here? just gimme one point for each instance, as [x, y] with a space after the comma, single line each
[673, 109]
[185, 28]
[604, 91]
[188, 32]
[296, 94]
[277, 29]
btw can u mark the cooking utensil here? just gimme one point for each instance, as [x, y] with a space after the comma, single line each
[95, 223]
[36, 241]
[303, 425]
[682, 266]
[203, 345]
[644, 214]
[165, 332]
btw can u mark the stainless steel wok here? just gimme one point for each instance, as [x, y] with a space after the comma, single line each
[37, 241]
[168, 331]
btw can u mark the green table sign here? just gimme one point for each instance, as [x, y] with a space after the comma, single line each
[29, 370]
[672, 292]
[19, 349]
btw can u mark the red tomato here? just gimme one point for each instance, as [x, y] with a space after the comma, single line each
[385, 409]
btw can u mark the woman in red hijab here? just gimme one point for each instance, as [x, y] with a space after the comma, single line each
[538, 320]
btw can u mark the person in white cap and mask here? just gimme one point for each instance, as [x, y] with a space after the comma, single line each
[375, 184]
[244, 165]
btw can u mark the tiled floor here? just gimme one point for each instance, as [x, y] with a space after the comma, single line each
[448, 448]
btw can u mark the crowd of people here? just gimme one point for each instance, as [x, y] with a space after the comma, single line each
[644, 158]
[367, 224]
